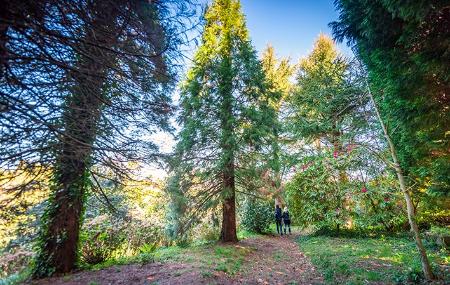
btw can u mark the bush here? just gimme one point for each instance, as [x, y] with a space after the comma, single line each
[256, 215]
[99, 239]
[13, 262]
[322, 201]
[105, 237]
[207, 232]
[439, 237]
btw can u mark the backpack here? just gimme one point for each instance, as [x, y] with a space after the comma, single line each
[286, 216]
[278, 214]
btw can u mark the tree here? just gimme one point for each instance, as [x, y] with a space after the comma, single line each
[225, 117]
[325, 97]
[82, 83]
[278, 74]
[324, 114]
[409, 204]
[404, 46]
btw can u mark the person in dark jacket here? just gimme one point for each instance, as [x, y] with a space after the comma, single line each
[286, 220]
[278, 218]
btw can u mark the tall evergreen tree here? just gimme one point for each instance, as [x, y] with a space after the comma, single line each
[405, 47]
[324, 114]
[324, 97]
[82, 82]
[225, 115]
[278, 74]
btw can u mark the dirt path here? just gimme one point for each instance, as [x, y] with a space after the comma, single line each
[277, 260]
[270, 260]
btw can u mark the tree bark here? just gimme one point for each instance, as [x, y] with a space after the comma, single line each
[409, 205]
[60, 240]
[228, 233]
[82, 113]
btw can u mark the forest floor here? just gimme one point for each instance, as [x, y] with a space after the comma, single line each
[271, 259]
[257, 260]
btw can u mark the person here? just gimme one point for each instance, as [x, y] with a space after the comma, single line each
[278, 217]
[286, 220]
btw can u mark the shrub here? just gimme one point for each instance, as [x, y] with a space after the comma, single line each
[207, 232]
[439, 237]
[322, 200]
[256, 215]
[12, 262]
[99, 239]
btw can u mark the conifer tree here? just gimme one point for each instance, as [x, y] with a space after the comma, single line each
[405, 48]
[323, 98]
[324, 111]
[225, 115]
[278, 72]
[82, 85]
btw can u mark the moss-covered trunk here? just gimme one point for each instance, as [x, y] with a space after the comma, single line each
[82, 112]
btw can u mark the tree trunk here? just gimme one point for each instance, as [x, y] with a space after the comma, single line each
[62, 220]
[409, 205]
[63, 217]
[228, 233]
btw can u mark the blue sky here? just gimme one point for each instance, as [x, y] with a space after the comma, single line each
[291, 26]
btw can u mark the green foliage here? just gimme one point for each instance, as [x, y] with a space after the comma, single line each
[206, 232]
[405, 48]
[361, 260]
[99, 240]
[19, 222]
[15, 262]
[315, 199]
[278, 73]
[319, 199]
[256, 215]
[341, 179]
[439, 237]
[325, 96]
[226, 118]
[16, 278]
[129, 225]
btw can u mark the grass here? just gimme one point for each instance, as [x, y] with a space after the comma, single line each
[209, 257]
[212, 257]
[365, 260]
[17, 278]
[217, 257]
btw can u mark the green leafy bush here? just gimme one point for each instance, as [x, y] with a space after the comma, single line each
[13, 262]
[315, 200]
[322, 196]
[99, 239]
[207, 232]
[256, 215]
